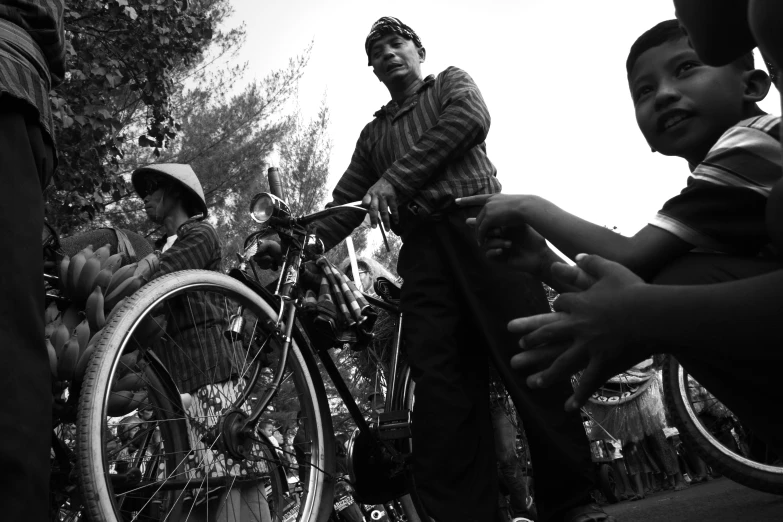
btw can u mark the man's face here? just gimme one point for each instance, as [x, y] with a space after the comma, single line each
[683, 106]
[396, 61]
[159, 201]
[366, 278]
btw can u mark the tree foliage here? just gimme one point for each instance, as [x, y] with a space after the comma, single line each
[124, 61]
[388, 258]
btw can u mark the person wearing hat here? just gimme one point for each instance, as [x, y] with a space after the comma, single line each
[423, 149]
[199, 357]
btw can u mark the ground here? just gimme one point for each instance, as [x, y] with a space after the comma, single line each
[719, 500]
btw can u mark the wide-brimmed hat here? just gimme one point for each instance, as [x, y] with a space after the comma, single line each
[178, 172]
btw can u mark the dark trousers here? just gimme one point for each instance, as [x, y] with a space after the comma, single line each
[456, 306]
[750, 388]
[26, 163]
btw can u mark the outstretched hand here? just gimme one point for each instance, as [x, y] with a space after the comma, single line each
[381, 199]
[592, 329]
[503, 234]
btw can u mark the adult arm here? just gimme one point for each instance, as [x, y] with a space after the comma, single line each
[462, 124]
[618, 320]
[198, 247]
[717, 29]
[353, 186]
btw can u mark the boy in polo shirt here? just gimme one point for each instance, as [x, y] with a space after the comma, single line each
[707, 115]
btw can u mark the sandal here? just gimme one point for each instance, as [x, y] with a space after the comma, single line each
[588, 513]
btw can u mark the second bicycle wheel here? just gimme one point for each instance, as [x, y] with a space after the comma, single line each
[176, 372]
[717, 435]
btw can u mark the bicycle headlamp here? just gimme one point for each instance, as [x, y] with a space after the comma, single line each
[265, 206]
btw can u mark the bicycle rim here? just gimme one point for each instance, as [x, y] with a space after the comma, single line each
[190, 460]
[716, 434]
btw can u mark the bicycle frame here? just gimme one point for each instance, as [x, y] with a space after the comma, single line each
[302, 245]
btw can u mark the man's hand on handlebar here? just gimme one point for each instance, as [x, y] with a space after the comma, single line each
[381, 199]
[269, 255]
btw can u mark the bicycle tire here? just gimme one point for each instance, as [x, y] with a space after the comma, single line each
[679, 398]
[103, 503]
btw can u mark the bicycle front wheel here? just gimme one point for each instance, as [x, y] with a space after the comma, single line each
[175, 374]
[717, 435]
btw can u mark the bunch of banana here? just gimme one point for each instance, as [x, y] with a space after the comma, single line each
[80, 274]
[124, 402]
[128, 390]
[65, 347]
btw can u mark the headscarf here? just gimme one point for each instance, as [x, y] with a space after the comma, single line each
[386, 25]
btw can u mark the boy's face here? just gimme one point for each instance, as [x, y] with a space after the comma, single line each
[683, 106]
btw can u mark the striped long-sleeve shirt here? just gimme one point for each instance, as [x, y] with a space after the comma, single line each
[723, 207]
[195, 350]
[32, 53]
[431, 149]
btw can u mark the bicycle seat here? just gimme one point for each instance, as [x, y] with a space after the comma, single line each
[387, 290]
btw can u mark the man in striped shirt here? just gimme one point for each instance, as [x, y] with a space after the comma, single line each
[32, 61]
[422, 150]
[716, 230]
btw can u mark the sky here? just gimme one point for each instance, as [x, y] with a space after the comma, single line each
[552, 75]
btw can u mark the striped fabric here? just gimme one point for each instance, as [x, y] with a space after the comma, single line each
[32, 53]
[431, 149]
[196, 351]
[723, 206]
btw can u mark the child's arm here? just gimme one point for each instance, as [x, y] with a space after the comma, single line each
[644, 253]
[618, 320]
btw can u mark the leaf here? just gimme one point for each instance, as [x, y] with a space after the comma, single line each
[131, 12]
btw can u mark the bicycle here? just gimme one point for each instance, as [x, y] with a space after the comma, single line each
[710, 429]
[201, 462]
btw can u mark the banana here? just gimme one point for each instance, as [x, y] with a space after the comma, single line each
[52, 359]
[59, 338]
[125, 289]
[128, 363]
[94, 310]
[82, 334]
[64, 263]
[115, 309]
[102, 254]
[120, 276]
[87, 251]
[104, 278]
[84, 360]
[71, 317]
[147, 267]
[120, 404]
[150, 329]
[66, 362]
[132, 382]
[49, 329]
[74, 271]
[51, 313]
[87, 278]
[140, 399]
[113, 262]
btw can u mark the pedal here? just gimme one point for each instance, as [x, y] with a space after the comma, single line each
[394, 425]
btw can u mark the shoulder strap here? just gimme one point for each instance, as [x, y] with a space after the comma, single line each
[124, 245]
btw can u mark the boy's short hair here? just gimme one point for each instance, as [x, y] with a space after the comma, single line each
[670, 31]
